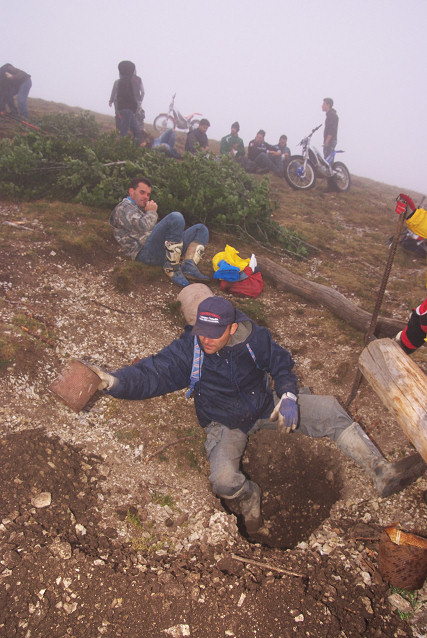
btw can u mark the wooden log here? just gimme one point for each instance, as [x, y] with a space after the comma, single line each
[401, 385]
[360, 319]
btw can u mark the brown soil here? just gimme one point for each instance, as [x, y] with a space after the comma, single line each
[133, 542]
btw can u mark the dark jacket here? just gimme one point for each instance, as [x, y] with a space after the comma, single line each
[255, 149]
[130, 91]
[196, 140]
[10, 86]
[331, 126]
[415, 332]
[232, 388]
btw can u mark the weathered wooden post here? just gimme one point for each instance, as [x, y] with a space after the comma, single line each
[401, 385]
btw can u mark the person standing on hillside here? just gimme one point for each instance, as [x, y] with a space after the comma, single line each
[197, 140]
[330, 132]
[232, 144]
[162, 243]
[226, 359]
[13, 82]
[127, 100]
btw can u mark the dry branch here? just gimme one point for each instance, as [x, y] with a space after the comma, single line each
[360, 319]
[49, 342]
[266, 566]
[165, 446]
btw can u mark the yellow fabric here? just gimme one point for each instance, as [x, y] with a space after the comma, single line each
[231, 256]
[418, 222]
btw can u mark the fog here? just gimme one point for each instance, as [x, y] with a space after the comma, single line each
[266, 64]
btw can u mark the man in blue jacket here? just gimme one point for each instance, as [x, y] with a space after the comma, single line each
[225, 359]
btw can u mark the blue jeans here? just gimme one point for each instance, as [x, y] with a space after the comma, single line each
[318, 416]
[166, 143]
[127, 122]
[21, 97]
[170, 228]
[327, 150]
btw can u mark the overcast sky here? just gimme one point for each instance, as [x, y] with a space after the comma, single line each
[268, 64]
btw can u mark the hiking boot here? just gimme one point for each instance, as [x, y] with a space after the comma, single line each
[192, 256]
[171, 266]
[388, 478]
[250, 507]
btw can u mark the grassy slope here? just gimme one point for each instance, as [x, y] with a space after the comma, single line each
[347, 231]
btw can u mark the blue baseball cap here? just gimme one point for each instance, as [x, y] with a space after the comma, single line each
[214, 314]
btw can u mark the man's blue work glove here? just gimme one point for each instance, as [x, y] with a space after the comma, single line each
[286, 413]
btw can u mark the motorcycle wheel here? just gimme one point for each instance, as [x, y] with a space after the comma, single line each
[295, 177]
[194, 124]
[341, 181]
[163, 122]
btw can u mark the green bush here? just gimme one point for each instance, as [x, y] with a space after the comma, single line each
[79, 164]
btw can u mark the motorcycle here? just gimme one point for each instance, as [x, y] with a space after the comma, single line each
[301, 171]
[173, 119]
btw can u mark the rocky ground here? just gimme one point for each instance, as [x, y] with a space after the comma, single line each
[107, 523]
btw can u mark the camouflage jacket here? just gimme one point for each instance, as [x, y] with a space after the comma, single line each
[132, 226]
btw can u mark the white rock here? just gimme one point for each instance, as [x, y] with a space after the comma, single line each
[70, 607]
[177, 631]
[61, 550]
[403, 605]
[44, 499]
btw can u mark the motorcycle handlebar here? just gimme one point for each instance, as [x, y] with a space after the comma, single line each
[305, 139]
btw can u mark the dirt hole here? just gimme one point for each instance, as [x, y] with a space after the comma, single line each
[300, 480]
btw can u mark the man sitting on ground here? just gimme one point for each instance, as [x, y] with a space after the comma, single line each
[262, 154]
[285, 153]
[197, 140]
[232, 144]
[165, 143]
[162, 243]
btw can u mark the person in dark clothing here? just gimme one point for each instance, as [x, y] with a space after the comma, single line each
[13, 82]
[414, 334]
[197, 140]
[128, 99]
[262, 153]
[331, 127]
[225, 359]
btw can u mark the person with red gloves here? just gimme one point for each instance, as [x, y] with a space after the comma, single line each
[415, 332]
[415, 218]
[225, 359]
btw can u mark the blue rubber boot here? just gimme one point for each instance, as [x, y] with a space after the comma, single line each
[192, 256]
[179, 279]
[171, 266]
